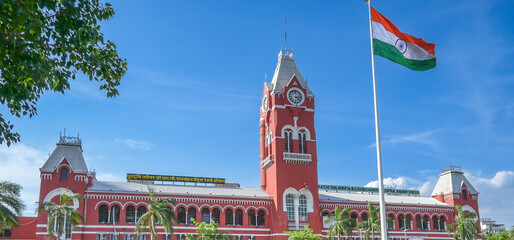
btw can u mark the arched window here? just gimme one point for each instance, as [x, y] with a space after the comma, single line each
[130, 215]
[390, 223]
[181, 215]
[464, 194]
[364, 217]
[64, 174]
[408, 222]
[290, 207]
[252, 219]
[191, 213]
[401, 222]
[419, 224]
[216, 215]
[355, 219]
[302, 208]
[206, 215]
[115, 214]
[140, 211]
[229, 217]
[261, 218]
[239, 217]
[103, 214]
[435, 223]
[302, 137]
[442, 223]
[425, 223]
[289, 141]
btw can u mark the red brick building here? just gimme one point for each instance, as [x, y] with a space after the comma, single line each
[289, 197]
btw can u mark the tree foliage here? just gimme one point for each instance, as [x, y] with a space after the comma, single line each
[44, 44]
[464, 225]
[208, 231]
[306, 234]
[158, 212]
[60, 214]
[11, 204]
[505, 235]
[373, 224]
[341, 222]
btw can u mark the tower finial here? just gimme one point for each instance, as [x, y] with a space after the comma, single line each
[285, 34]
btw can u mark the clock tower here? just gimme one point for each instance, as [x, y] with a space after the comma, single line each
[289, 166]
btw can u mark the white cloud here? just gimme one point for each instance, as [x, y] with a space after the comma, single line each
[131, 143]
[109, 177]
[20, 164]
[502, 179]
[425, 187]
[423, 138]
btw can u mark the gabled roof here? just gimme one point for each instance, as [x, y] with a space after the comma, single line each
[133, 187]
[451, 181]
[72, 153]
[374, 198]
[285, 70]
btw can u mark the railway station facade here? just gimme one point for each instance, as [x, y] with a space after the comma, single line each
[289, 198]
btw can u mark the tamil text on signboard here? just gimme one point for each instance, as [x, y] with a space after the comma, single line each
[150, 177]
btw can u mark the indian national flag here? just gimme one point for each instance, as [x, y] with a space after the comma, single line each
[402, 48]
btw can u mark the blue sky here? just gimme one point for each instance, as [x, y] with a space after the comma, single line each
[189, 103]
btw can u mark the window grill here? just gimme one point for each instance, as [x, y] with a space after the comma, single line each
[229, 217]
[239, 217]
[206, 215]
[252, 219]
[290, 207]
[130, 218]
[181, 215]
[302, 208]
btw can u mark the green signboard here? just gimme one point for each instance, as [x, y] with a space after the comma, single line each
[367, 189]
[149, 177]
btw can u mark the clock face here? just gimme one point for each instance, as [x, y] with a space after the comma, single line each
[265, 103]
[295, 97]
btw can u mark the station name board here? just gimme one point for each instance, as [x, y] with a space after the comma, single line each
[149, 177]
[367, 189]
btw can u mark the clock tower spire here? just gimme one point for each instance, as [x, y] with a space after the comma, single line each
[289, 167]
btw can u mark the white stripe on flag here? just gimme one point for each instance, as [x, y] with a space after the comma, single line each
[414, 52]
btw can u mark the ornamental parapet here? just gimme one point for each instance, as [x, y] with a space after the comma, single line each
[266, 163]
[297, 158]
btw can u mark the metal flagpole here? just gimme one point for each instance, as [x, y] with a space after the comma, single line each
[383, 223]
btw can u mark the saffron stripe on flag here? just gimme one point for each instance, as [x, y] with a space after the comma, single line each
[388, 25]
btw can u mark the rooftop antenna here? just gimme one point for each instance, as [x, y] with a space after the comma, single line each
[265, 77]
[285, 34]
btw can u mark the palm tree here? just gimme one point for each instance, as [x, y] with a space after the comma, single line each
[158, 213]
[373, 223]
[62, 214]
[341, 222]
[11, 204]
[464, 225]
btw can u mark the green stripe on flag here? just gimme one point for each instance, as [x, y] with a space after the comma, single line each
[392, 53]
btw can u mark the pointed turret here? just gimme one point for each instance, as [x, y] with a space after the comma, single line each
[284, 72]
[452, 180]
[69, 149]
[453, 188]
